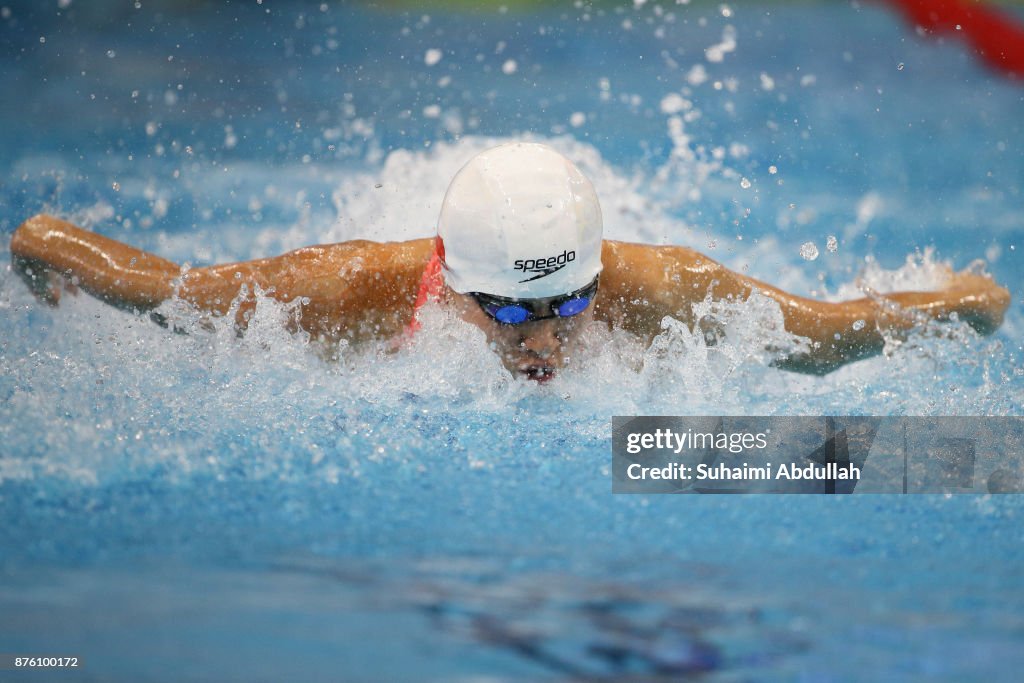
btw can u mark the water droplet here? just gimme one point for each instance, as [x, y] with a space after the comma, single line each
[832, 244]
[809, 251]
[111, 54]
[432, 56]
[377, 186]
[744, 183]
[42, 39]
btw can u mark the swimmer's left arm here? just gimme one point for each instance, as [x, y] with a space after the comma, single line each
[846, 331]
[645, 284]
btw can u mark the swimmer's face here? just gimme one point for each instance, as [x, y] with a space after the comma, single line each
[534, 349]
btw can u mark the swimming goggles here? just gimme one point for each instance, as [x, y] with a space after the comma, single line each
[516, 311]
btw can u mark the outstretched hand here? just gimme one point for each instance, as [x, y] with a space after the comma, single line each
[45, 283]
[978, 300]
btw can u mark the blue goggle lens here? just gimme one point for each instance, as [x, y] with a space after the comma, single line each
[511, 315]
[573, 307]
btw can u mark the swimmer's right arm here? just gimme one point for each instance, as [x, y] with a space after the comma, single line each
[353, 290]
[48, 253]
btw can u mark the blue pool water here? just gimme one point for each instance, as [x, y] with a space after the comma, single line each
[206, 507]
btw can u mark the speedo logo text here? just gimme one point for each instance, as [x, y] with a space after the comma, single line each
[542, 267]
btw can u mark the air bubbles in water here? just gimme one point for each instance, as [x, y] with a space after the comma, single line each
[744, 183]
[809, 251]
[832, 244]
[509, 67]
[858, 325]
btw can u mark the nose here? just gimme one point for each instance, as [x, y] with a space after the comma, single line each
[541, 338]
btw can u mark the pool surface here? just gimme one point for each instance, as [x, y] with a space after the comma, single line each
[203, 506]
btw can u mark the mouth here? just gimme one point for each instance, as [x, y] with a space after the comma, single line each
[540, 374]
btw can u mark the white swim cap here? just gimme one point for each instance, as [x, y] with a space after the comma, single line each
[520, 220]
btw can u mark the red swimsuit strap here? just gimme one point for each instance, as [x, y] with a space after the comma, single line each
[431, 286]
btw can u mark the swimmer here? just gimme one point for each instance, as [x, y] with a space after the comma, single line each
[518, 253]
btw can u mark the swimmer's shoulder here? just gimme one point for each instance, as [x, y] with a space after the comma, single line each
[642, 283]
[360, 289]
[633, 265]
[401, 260]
